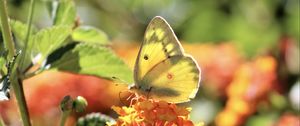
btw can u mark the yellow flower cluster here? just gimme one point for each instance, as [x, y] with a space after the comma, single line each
[147, 112]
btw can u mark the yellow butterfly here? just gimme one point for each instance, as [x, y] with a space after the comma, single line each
[162, 70]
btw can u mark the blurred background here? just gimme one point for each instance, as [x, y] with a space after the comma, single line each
[248, 51]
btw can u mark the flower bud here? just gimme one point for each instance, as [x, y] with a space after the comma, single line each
[80, 104]
[66, 104]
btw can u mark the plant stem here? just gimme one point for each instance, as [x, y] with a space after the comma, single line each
[29, 24]
[7, 36]
[1, 121]
[64, 117]
[16, 83]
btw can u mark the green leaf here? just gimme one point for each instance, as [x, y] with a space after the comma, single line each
[94, 60]
[65, 13]
[19, 29]
[90, 35]
[48, 40]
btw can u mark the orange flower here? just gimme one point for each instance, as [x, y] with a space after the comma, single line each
[153, 113]
[252, 81]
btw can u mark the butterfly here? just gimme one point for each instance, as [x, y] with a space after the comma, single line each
[162, 70]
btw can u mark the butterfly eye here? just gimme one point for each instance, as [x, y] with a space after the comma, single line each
[146, 57]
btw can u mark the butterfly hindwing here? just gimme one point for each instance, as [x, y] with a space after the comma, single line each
[162, 70]
[175, 79]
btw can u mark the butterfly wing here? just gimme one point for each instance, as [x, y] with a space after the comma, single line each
[159, 43]
[175, 79]
[162, 70]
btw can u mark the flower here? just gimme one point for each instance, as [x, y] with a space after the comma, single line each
[149, 112]
[252, 82]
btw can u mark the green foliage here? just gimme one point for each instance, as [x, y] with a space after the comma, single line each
[253, 39]
[85, 58]
[278, 101]
[255, 31]
[292, 21]
[18, 29]
[90, 35]
[266, 119]
[48, 40]
[93, 60]
[65, 13]
[208, 23]
[250, 25]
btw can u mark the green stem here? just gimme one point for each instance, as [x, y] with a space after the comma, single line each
[7, 36]
[64, 117]
[16, 84]
[29, 24]
[1, 121]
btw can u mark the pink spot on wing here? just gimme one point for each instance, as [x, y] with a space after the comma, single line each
[169, 76]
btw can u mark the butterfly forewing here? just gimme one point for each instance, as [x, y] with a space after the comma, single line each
[159, 43]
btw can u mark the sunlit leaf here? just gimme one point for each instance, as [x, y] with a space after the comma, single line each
[94, 60]
[90, 35]
[65, 13]
[20, 30]
[48, 40]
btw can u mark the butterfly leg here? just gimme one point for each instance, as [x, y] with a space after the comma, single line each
[148, 92]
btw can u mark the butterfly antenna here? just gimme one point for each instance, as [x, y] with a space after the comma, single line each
[117, 80]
